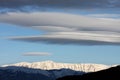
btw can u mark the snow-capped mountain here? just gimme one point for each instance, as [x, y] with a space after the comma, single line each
[46, 70]
[50, 65]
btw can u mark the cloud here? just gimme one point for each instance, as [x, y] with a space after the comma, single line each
[104, 15]
[36, 54]
[66, 21]
[77, 38]
[53, 28]
[64, 28]
[63, 4]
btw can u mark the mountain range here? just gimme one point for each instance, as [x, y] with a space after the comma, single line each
[50, 65]
[46, 70]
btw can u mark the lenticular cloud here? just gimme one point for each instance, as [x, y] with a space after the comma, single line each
[62, 28]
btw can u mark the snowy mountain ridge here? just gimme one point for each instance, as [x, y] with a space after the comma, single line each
[50, 65]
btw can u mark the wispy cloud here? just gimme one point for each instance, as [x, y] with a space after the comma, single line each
[37, 54]
[64, 28]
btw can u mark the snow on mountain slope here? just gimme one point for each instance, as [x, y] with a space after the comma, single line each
[50, 65]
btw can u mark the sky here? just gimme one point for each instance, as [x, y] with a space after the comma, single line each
[70, 31]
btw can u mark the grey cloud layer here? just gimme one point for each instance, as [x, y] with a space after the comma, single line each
[77, 38]
[66, 21]
[66, 28]
[15, 4]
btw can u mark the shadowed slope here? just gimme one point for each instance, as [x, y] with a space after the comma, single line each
[108, 74]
